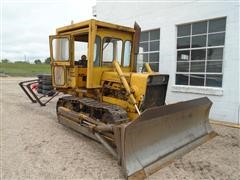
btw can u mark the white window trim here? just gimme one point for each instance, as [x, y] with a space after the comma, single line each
[198, 90]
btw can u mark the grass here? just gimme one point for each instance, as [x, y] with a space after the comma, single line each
[24, 69]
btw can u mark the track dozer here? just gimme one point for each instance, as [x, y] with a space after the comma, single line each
[94, 64]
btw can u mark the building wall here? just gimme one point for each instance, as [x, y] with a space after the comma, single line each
[166, 16]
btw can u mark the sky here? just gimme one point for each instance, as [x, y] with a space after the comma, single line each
[27, 24]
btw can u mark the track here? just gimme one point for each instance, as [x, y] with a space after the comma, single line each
[105, 112]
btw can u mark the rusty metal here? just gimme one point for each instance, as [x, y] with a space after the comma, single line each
[87, 122]
[136, 41]
[153, 140]
[23, 85]
[105, 112]
[106, 145]
[156, 91]
[123, 110]
[162, 131]
[34, 98]
[166, 160]
[76, 126]
[80, 117]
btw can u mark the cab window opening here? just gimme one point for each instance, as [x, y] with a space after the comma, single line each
[97, 47]
[112, 50]
[81, 50]
[127, 53]
[60, 48]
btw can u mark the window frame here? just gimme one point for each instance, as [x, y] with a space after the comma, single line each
[69, 48]
[205, 73]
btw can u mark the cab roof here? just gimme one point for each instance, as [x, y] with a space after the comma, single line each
[91, 23]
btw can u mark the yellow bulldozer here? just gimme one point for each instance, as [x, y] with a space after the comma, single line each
[94, 63]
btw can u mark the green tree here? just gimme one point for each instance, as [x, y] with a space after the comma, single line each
[47, 61]
[21, 62]
[37, 61]
[5, 61]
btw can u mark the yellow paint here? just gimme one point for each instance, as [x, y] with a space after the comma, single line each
[81, 81]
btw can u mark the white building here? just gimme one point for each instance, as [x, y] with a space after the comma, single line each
[196, 43]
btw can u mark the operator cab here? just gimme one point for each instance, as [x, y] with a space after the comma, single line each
[81, 52]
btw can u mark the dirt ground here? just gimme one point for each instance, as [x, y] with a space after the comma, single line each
[35, 146]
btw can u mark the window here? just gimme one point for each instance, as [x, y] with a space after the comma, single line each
[80, 49]
[96, 58]
[112, 50]
[127, 53]
[149, 49]
[60, 49]
[200, 48]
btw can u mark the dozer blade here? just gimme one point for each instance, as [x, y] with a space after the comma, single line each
[162, 134]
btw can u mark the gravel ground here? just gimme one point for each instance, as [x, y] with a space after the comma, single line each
[35, 146]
